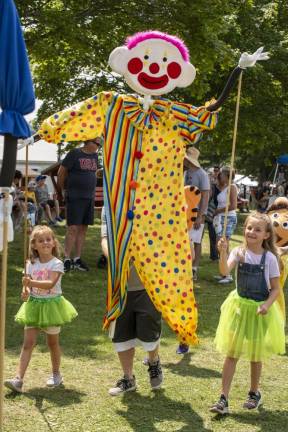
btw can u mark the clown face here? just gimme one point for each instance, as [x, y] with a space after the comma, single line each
[152, 67]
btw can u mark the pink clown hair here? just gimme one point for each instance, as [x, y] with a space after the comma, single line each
[135, 39]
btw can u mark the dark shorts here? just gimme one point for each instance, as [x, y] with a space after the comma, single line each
[49, 202]
[139, 320]
[80, 211]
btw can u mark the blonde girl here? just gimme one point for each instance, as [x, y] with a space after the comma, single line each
[251, 324]
[44, 309]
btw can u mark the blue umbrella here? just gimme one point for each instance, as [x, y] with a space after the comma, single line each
[16, 88]
[283, 160]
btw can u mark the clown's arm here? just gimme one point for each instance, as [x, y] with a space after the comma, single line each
[246, 60]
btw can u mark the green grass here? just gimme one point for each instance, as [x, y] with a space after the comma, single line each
[90, 367]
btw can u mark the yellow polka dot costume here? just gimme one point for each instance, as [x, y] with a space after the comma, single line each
[144, 195]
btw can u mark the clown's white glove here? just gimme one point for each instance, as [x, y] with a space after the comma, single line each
[249, 60]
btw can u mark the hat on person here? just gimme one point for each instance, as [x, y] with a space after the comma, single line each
[192, 155]
[31, 184]
[40, 177]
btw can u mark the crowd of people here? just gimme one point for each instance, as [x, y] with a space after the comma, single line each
[256, 260]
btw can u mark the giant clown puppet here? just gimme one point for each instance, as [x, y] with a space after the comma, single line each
[144, 145]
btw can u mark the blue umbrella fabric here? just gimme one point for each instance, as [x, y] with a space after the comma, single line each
[16, 88]
[283, 160]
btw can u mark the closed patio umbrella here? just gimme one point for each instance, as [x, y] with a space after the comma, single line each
[16, 99]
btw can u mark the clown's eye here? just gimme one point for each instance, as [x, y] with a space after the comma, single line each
[164, 59]
[275, 215]
[285, 225]
[146, 57]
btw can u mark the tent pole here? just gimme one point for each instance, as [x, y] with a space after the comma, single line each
[275, 176]
[3, 298]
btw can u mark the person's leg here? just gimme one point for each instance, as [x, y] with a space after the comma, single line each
[57, 209]
[126, 359]
[55, 351]
[256, 369]
[48, 212]
[229, 367]
[70, 239]
[228, 374]
[153, 356]
[197, 248]
[212, 241]
[30, 338]
[254, 396]
[52, 337]
[80, 239]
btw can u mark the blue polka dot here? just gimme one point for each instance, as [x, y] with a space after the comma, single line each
[155, 148]
[158, 216]
[151, 194]
[130, 214]
[176, 270]
[171, 221]
[163, 264]
[157, 290]
[150, 242]
[171, 173]
[174, 127]
[183, 318]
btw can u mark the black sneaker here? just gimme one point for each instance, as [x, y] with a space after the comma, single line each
[195, 275]
[220, 407]
[80, 265]
[253, 400]
[68, 265]
[156, 375]
[123, 385]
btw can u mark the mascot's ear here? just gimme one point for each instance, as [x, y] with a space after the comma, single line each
[118, 60]
[187, 76]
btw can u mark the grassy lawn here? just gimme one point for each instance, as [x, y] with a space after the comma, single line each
[90, 367]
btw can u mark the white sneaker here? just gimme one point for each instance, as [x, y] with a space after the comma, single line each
[226, 279]
[14, 384]
[54, 380]
[218, 277]
[123, 385]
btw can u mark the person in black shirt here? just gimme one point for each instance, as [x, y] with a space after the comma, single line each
[77, 176]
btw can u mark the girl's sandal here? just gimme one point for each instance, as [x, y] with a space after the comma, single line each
[253, 400]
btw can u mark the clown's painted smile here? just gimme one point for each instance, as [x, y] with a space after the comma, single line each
[152, 83]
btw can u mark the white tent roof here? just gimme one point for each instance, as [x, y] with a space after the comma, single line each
[245, 180]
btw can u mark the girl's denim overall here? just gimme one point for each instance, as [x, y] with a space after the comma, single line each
[251, 282]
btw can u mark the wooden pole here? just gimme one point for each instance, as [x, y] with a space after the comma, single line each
[3, 298]
[232, 154]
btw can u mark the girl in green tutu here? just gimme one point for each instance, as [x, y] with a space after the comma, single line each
[44, 309]
[251, 324]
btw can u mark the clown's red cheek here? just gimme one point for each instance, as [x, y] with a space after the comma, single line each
[135, 65]
[174, 70]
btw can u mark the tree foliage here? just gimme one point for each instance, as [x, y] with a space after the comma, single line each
[69, 42]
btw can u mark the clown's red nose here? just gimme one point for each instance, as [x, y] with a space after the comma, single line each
[154, 68]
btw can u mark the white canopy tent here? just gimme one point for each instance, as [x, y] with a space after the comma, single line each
[245, 180]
